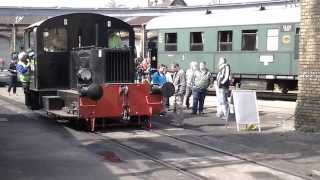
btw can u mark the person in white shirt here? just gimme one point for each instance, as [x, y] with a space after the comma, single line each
[223, 83]
[189, 75]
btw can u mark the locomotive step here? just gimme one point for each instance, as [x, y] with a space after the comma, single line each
[52, 102]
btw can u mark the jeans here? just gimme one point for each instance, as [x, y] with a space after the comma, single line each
[178, 108]
[188, 95]
[222, 102]
[13, 84]
[26, 90]
[198, 99]
[167, 102]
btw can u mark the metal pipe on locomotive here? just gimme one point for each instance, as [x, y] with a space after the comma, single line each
[82, 73]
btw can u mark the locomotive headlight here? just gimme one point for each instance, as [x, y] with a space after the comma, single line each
[85, 74]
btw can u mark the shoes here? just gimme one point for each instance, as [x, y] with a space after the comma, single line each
[194, 113]
[201, 113]
[251, 127]
[219, 115]
[163, 113]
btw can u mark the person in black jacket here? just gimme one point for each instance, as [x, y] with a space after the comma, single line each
[13, 76]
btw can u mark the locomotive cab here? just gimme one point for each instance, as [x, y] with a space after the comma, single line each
[84, 68]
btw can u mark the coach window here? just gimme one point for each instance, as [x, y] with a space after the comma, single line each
[296, 43]
[224, 41]
[196, 41]
[249, 40]
[273, 40]
[170, 41]
[55, 40]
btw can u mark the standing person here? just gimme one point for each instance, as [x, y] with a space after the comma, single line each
[23, 69]
[169, 78]
[13, 75]
[202, 78]
[179, 82]
[189, 75]
[159, 79]
[223, 82]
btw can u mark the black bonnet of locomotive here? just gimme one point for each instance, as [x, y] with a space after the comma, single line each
[90, 52]
[100, 65]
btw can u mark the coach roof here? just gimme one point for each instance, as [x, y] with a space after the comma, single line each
[230, 17]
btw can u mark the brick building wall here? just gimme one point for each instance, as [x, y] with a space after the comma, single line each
[307, 116]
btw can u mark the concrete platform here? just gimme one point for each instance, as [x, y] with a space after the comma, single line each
[278, 145]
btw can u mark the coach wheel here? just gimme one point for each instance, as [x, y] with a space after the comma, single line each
[284, 90]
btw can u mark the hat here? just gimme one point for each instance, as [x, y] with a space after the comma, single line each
[31, 54]
[22, 56]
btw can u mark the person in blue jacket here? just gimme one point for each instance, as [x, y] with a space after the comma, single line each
[159, 78]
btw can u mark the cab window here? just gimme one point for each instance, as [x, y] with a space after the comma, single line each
[55, 40]
[118, 39]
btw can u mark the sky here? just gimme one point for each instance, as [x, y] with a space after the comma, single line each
[100, 3]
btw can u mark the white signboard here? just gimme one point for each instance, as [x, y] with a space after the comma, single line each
[266, 59]
[246, 108]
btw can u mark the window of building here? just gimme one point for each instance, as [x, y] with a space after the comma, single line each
[296, 43]
[55, 40]
[224, 41]
[196, 41]
[273, 40]
[249, 40]
[170, 41]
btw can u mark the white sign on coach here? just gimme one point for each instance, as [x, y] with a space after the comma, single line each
[246, 108]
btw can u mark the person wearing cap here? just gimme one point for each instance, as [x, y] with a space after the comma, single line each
[201, 80]
[23, 71]
[13, 75]
[223, 83]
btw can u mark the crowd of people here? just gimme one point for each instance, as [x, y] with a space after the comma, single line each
[194, 82]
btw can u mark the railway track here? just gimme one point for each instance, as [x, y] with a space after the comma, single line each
[206, 147]
[186, 171]
[155, 159]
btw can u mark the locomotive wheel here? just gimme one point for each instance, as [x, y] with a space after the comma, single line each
[284, 90]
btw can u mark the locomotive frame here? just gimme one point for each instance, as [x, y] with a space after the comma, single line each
[84, 70]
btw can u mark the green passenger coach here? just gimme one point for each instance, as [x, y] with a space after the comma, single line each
[261, 45]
